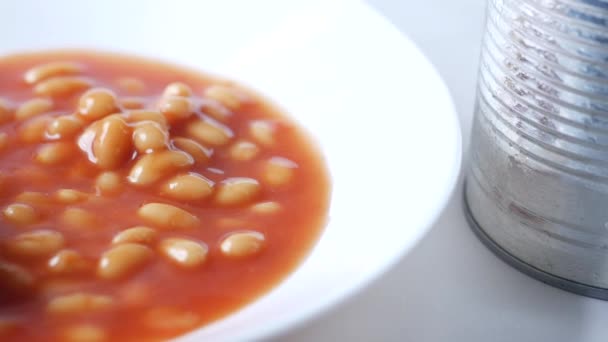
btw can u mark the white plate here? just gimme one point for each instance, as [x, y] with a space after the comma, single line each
[381, 114]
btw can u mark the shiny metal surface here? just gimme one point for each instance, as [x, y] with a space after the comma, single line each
[538, 181]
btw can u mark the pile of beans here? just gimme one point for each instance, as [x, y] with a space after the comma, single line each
[167, 163]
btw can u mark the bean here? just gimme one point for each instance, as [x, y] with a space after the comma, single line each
[243, 151]
[79, 303]
[152, 167]
[33, 107]
[262, 132]
[108, 183]
[178, 89]
[61, 86]
[34, 130]
[278, 171]
[33, 198]
[3, 141]
[52, 69]
[6, 111]
[132, 103]
[123, 260]
[85, 332]
[138, 234]
[14, 279]
[70, 196]
[136, 294]
[136, 116]
[242, 244]
[188, 187]
[266, 208]
[171, 319]
[184, 253]
[215, 109]
[55, 153]
[209, 132]
[68, 261]
[21, 214]
[149, 136]
[78, 218]
[34, 244]
[97, 103]
[238, 190]
[131, 85]
[200, 153]
[176, 108]
[56, 286]
[64, 126]
[228, 96]
[112, 145]
[167, 216]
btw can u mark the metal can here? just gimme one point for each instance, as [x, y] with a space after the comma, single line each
[537, 188]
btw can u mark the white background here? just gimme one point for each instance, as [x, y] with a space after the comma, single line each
[450, 288]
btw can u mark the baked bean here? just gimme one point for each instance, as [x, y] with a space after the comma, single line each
[6, 111]
[243, 150]
[14, 279]
[152, 167]
[132, 103]
[70, 196]
[242, 244]
[200, 153]
[64, 126]
[131, 85]
[136, 116]
[85, 332]
[178, 89]
[123, 260]
[183, 252]
[139, 234]
[238, 190]
[112, 145]
[68, 261]
[97, 103]
[78, 218]
[33, 107]
[262, 132]
[209, 132]
[108, 183]
[176, 108]
[171, 319]
[58, 286]
[215, 109]
[79, 303]
[167, 216]
[266, 208]
[188, 187]
[44, 71]
[228, 96]
[20, 213]
[34, 130]
[149, 136]
[61, 86]
[55, 153]
[136, 294]
[278, 171]
[3, 141]
[36, 243]
[33, 198]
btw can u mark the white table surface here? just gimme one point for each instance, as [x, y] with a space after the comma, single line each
[450, 287]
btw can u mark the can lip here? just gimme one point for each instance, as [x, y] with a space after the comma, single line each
[525, 268]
